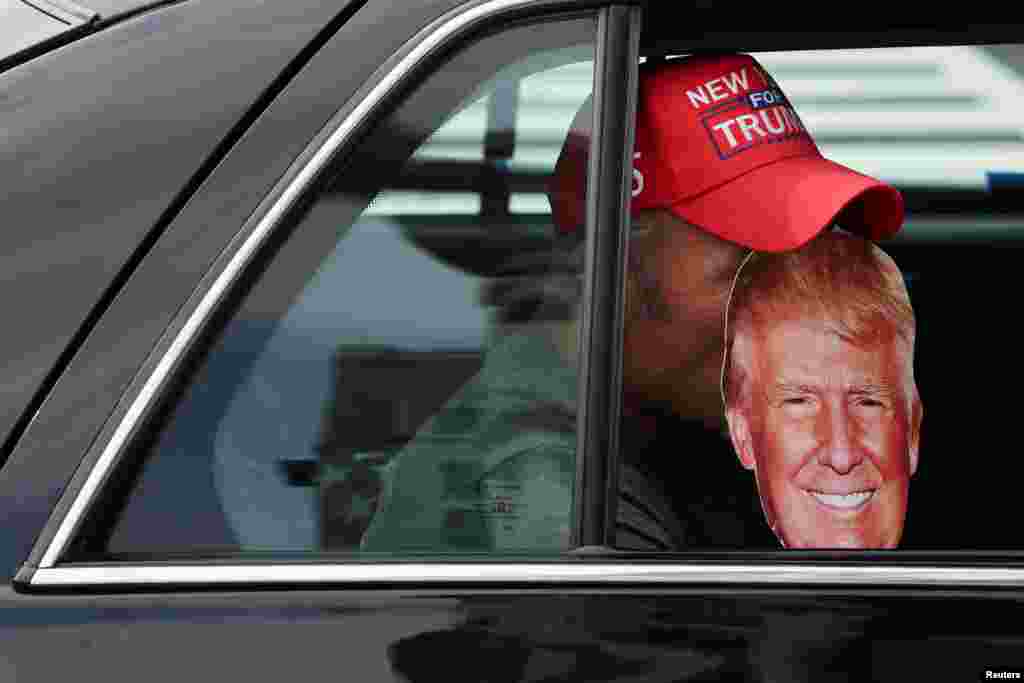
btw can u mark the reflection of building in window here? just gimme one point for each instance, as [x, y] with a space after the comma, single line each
[913, 116]
[933, 121]
[380, 397]
[500, 147]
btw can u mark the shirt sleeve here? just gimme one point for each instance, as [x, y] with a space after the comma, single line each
[517, 497]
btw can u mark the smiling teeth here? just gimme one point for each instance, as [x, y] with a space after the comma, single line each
[846, 502]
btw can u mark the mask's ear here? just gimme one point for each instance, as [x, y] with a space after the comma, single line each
[739, 433]
[914, 442]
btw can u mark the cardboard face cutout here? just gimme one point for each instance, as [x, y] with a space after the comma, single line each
[819, 392]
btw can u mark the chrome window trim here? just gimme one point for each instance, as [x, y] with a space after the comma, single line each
[243, 255]
[64, 10]
[564, 574]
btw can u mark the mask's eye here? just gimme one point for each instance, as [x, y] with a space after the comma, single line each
[871, 400]
[798, 405]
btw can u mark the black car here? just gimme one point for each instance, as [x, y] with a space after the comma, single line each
[248, 250]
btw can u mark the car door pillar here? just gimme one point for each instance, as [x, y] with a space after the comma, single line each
[607, 220]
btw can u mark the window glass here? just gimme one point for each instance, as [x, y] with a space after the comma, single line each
[398, 375]
[865, 389]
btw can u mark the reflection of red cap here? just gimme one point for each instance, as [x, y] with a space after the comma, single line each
[718, 144]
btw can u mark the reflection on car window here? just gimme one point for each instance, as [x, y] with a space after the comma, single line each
[23, 25]
[399, 376]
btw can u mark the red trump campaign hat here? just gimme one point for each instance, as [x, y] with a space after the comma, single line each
[720, 146]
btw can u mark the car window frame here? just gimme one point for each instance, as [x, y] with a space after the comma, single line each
[602, 321]
[463, 22]
[602, 567]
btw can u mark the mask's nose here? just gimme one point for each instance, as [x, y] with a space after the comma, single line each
[838, 449]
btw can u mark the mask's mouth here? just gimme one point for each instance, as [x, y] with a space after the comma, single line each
[853, 501]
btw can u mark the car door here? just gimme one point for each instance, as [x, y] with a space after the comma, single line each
[190, 578]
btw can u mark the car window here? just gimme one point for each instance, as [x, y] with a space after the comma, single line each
[397, 374]
[25, 25]
[916, 458]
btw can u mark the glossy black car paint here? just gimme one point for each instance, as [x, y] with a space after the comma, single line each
[155, 94]
[196, 208]
[513, 635]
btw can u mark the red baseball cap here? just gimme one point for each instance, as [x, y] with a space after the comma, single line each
[719, 145]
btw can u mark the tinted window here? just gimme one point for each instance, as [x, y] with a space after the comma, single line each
[398, 373]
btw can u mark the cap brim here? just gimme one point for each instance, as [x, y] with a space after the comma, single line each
[782, 205]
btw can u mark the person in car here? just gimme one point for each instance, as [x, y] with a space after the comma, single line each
[818, 383]
[722, 165]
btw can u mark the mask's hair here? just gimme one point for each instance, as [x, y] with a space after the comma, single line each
[845, 281]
